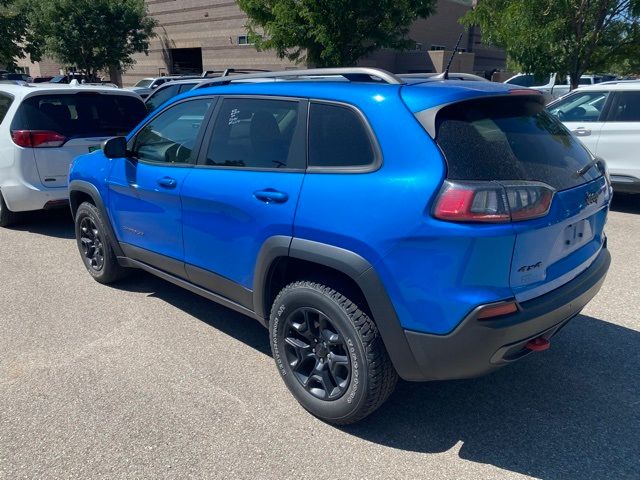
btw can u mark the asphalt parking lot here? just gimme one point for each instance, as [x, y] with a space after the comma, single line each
[146, 380]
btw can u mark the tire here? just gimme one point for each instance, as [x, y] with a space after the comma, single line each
[95, 245]
[314, 330]
[7, 217]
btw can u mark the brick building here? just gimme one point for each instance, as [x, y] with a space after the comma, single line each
[197, 35]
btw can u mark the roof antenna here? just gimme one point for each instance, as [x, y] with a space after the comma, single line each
[445, 75]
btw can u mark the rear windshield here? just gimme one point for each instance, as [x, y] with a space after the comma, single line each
[146, 83]
[80, 114]
[510, 138]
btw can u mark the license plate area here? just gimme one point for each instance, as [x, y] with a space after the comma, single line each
[577, 234]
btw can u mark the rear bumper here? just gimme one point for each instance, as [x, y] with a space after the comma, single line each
[477, 347]
[22, 197]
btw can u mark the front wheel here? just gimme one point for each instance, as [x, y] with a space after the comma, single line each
[329, 353]
[95, 246]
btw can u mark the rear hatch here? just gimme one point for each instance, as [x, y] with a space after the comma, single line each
[556, 195]
[58, 127]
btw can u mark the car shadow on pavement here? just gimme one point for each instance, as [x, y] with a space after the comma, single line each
[238, 326]
[51, 223]
[570, 412]
[626, 203]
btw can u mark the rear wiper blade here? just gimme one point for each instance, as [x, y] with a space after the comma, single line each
[588, 167]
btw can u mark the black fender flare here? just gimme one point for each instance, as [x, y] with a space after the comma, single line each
[91, 190]
[361, 272]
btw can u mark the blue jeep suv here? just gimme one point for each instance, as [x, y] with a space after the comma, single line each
[379, 227]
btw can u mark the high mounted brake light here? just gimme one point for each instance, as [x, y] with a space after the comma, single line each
[37, 138]
[492, 202]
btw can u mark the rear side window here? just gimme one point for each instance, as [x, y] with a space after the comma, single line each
[256, 133]
[5, 103]
[338, 137]
[510, 138]
[626, 107]
[80, 114]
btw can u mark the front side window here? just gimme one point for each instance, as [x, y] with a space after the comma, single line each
[5, 103]
[171, 136]
[338, 137]
[626, 107]
[256, 133]
[580, 107]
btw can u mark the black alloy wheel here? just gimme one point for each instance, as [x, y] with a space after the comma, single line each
[92, 246]
[317, 353]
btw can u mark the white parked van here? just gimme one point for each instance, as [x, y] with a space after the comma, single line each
[43, 128]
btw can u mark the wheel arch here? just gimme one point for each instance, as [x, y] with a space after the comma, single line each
[81, 191]
[309, 260]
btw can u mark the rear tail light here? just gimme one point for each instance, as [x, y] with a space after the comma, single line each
[493, 202]
[37, 138]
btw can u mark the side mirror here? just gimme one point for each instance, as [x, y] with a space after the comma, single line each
[115, 147]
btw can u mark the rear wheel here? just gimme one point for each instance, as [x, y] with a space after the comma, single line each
[7, 217]
[95, 246]
[329, 353]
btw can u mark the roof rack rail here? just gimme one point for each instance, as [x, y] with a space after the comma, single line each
[355, 74]
[227, 71]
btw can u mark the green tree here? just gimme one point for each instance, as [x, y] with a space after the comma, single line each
[564, 36]
[13, 32]
[329, 33]
[93, 35]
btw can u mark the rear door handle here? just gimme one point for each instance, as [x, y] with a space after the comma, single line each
[582, 132]
[167, 182]
[270, 195]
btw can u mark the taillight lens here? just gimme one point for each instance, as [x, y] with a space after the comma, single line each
[493, 202]
[37, 138]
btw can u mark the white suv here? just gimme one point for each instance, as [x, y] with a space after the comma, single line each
[554, 86]
[606, 117]
[43, 128]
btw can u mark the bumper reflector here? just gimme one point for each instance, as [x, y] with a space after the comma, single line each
[491, 311]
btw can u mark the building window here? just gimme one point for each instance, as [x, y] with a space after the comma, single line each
[244, 40]
[438, 47]
[418, 46]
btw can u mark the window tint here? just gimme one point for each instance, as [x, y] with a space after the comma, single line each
[626, 107]
[160, 96]
[171, 136]
[580, 107]
[80, 114]
[5, 103]
[510, 138]
[338, 137]
[255, 133]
